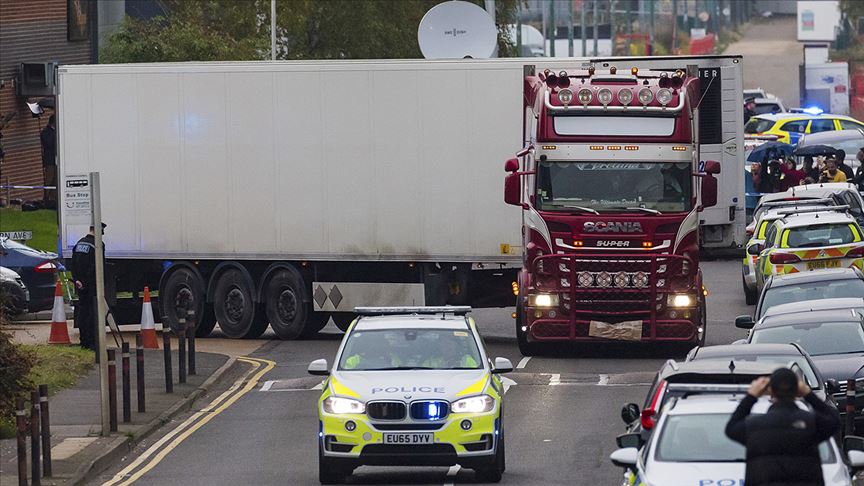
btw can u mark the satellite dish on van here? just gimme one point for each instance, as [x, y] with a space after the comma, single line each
[455, 30]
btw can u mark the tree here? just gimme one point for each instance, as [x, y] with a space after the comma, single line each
[210, 30]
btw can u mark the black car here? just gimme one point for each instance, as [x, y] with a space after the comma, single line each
[834, 339]
[37, 268]
[830, 283]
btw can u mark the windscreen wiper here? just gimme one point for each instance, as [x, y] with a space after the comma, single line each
[647, 210]
[580, 208]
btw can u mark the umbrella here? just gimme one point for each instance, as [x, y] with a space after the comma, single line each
[758, 154]
[814, 150]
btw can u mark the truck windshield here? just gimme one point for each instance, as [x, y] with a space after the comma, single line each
[613, 186]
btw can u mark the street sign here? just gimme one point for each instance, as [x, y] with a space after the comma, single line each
[79, 209]
[17, 235]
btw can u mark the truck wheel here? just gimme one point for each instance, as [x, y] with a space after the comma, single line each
[285, 304]
[181, 291]
[259, 323]
[493, 472]
[233, 304]
[750, 296]
[329, 470]
[525, 347]
[343, 320]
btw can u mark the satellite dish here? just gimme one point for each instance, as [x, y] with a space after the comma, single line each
[455, 30]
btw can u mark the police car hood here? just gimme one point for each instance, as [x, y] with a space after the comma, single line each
[413, 384]
[721, 474]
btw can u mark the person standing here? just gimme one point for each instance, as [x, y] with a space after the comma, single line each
[791, 176]
[859, 174]
[84, 274]
[831, 172]
[783, 444]
[840, 157]
[48, 138]
[749, 109]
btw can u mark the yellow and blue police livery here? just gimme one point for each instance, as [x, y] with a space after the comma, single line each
[411, 386]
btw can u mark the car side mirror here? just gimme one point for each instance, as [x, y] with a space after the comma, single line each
[831, 386]
[502, 365]
[625, 457]
[853, 443]
[744, 322]
[319, 368]
[513, 189]
[755, 250]
[512, 165]
[709, 191]
[630, 413]
[856, 460]
[630, 439]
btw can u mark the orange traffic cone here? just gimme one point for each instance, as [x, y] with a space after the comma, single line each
[148, 325]
[59, 331]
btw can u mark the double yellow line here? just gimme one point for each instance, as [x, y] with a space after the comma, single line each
[155, 453]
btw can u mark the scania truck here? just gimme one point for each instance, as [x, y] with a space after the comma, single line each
[612, 183]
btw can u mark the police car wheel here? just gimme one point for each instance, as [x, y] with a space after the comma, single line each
[493, 472]
[286, 305]
[329, 470]
[750, 296]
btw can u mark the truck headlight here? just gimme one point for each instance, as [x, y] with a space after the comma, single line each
[478, 404]
[543, 300]
[341, 405]
[681, 300]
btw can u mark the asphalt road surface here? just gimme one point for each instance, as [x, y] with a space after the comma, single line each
[561, 417]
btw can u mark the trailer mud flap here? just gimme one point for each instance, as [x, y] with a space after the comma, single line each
[623, 331]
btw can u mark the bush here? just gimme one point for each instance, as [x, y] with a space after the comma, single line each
[15, 365]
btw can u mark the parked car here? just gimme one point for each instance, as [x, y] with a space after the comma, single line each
[14, 297]
[840, 193]
[37, 268]
[831, 283]
[768, 104]
[790, 127]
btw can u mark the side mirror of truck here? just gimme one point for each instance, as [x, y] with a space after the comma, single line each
[512, 165]
[712, 167]
[709, 191]
[513, 189]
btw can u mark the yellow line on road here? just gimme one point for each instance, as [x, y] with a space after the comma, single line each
[193, 423]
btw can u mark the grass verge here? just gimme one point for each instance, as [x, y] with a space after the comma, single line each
[43, 224]
[59, 367]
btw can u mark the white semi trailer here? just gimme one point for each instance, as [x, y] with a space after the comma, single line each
[286, 193]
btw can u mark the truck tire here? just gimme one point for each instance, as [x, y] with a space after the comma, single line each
[343, 320]
[259, 323]
[525, 347]
[234, 304]
[181, 290]
[285, 304]
[750, 296]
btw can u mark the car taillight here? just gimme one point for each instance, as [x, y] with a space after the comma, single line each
[46, 267]
[856, 252]
[646, 418]
[749, 232]
[781, 258]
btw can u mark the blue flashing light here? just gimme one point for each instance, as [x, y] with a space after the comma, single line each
[813, 110]
[434, 410]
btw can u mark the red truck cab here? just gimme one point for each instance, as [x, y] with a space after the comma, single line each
[610, 198]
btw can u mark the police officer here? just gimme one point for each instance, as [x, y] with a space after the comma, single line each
[84, 275]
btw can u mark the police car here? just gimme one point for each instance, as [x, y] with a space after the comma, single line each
[689, 446]
[772, 212]
[809, 239]
[789, 127]
[411, 386]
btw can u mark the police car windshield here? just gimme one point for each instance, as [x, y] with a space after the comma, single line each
[410, 349]
[613, 186]
[826, 289]
[702, 438]
[820, 235]
[817, 339]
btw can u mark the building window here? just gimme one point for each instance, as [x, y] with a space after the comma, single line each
[78, 20]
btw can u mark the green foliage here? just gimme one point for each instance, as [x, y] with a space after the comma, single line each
[15, 366]
[43, 224]
[210, 30]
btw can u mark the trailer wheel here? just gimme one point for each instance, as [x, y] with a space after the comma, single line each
[233, 304]
[259, 323]
[343, 320]
[182, 290]
[286, 306]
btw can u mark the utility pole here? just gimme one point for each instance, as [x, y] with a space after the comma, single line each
[552, 28]
[594, 18]
[582, 30]
[570, 28]
[101, 308]
[272, 30]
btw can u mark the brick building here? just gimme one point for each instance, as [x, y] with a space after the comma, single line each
[36, 31]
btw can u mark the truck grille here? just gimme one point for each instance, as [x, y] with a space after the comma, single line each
[386, 410]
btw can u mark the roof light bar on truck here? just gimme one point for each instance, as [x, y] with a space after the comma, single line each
[584, 99]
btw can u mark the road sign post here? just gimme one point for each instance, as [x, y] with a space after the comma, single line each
[101, 308]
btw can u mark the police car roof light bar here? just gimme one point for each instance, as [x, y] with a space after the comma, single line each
[797, 202]
[818, 209]
[459, 310]
[707, 388]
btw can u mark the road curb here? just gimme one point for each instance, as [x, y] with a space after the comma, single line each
[499, 339]
[120, 446]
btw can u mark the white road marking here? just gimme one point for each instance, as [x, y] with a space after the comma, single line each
[555, 379]
[319, 386]
[604, 379]
[507, 383]
[452, 472]
[267, 385]
[523, 362]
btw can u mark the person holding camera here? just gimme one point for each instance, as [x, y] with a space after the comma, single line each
[783, 444]
[831, 173]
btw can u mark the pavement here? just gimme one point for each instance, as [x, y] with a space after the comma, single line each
[78, 449]
[772, 54]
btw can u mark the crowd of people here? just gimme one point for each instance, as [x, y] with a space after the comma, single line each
[779, 173]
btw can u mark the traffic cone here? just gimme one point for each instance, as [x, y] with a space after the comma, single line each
[148, 326]
[59, 331]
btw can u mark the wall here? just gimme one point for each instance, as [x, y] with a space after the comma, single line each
[30, 31]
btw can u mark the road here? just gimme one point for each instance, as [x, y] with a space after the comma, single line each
[561, 417]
